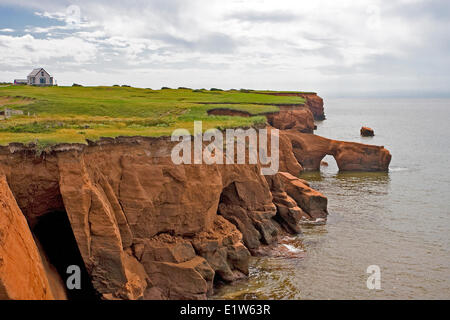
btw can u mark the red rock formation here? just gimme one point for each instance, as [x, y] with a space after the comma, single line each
[288, 162]
[313, 102]
[22, 274]
[297, 117]
[300, 117]
[367, 132]
[310, 149]
[147, 228]
[296, 202]
[293, 117]
[311, 201]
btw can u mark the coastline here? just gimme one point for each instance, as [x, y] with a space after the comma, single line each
[140, 221]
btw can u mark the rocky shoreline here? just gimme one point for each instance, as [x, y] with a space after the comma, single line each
[148, 229]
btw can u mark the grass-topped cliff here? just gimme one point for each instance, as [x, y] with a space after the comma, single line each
[73, 114]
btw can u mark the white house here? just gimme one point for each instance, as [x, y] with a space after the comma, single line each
[39, 77]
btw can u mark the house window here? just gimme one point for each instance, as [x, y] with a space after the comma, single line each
[42, 80]
[42, 73]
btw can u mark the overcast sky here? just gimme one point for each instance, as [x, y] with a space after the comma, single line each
[337, 48]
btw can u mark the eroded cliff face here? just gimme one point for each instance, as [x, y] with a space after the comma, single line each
[146, 228]
[298, 117]
[310, 149]
[295, 116]
[313, 102]
[22, 273]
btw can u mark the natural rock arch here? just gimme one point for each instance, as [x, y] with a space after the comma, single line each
[310, 149]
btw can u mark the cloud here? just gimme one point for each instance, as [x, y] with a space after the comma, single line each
[28, 51]
[273, 17]
[9, 30]
[212, 42]
[321, 45]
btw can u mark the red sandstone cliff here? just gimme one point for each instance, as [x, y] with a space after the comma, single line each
[22, 272]
[310, 149]
[297, 117]
[313, 102]
[146, 228]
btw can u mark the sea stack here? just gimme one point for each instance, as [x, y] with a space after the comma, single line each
[367, 132]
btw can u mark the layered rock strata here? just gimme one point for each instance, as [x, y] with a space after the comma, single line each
[22, 272]
[312, 101]
[146, 228]
[310, 149]
[149, 229]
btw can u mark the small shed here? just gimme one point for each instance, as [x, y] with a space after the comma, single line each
[8, 113]
[18, 82]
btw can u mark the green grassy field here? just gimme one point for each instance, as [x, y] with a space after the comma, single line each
[73, 114]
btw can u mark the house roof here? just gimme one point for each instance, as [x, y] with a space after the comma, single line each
[36, 71]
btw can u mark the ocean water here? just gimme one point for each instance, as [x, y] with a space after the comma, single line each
[399, 221]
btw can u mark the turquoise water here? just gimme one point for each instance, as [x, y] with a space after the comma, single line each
[399, 220]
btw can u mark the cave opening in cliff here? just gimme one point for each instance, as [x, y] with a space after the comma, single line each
[55, 235]
[229, 200]
[229, 195]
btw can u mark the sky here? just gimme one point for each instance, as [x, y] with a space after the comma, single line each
[338, 48]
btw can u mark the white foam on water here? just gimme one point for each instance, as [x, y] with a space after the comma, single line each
[292, 249]
[397, 169]
[318, 221]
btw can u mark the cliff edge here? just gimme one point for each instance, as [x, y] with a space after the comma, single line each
[145, 228]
